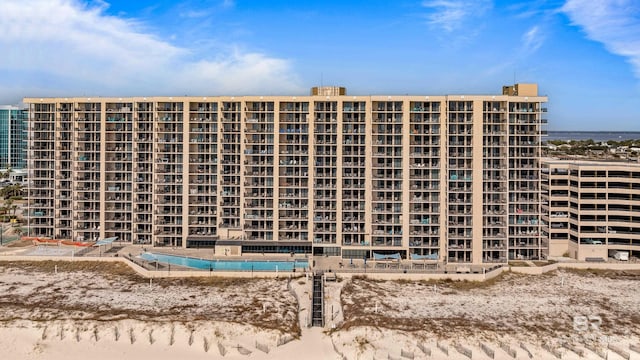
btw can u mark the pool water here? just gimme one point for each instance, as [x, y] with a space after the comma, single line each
[226, 265]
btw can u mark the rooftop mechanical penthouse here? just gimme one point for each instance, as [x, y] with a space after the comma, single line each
[451, 177]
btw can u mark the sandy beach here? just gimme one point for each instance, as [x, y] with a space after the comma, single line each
[78, 310]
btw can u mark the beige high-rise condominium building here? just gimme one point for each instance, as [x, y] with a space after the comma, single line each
[453, 177]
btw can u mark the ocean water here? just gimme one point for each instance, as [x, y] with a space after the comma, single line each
[597, 136]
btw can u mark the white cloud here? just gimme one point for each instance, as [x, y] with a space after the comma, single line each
[614, 23]
[450, 15]
[528, 9]
[72, 48]
[228, 3]
[532, 40]
[232, 74]
[195, 14]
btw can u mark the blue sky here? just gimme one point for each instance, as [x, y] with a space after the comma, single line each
[584, 54]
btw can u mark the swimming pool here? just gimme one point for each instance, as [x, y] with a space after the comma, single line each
[227, 265]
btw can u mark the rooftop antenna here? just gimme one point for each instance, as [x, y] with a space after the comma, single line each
[321, 79]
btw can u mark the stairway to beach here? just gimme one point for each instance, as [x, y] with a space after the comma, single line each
[317, 306]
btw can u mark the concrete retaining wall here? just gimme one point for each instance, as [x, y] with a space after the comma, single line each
[533, 270]
[425, 276]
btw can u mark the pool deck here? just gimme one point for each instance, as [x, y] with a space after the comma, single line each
[383, 270]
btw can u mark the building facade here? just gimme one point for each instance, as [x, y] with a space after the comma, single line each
[591, 208]
[13, 137]
[452, 177]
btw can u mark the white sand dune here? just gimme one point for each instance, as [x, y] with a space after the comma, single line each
[25, 340]
[90, 313]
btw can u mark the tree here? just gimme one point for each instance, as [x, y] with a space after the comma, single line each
[10, 191]
[5, 174]
[5, 208]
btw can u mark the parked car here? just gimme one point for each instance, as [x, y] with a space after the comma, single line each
[590, 241]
